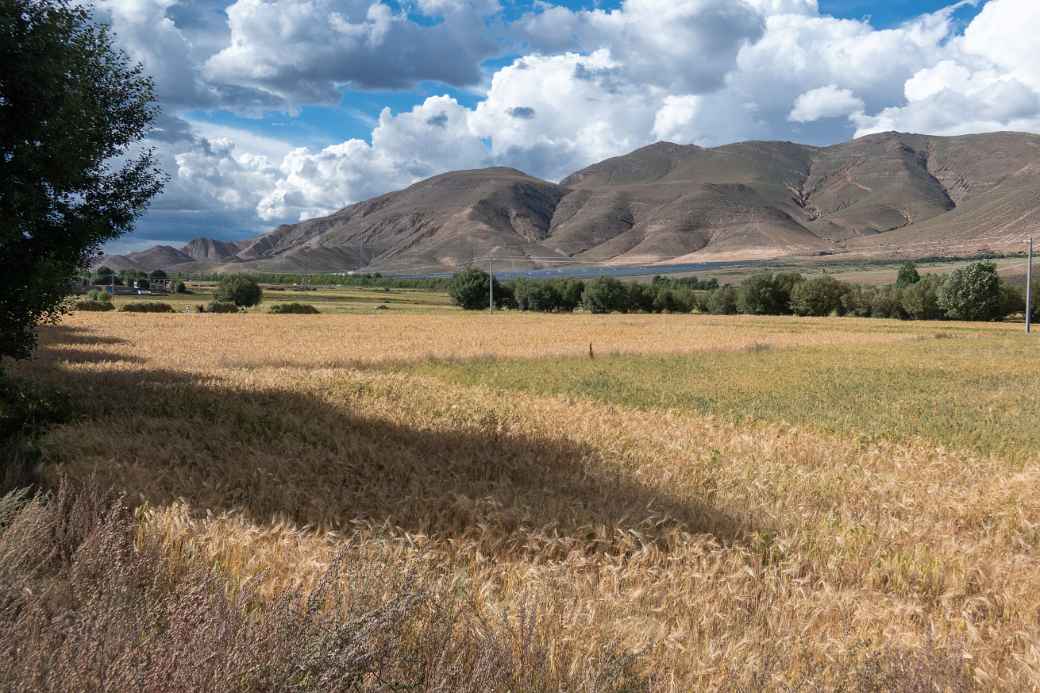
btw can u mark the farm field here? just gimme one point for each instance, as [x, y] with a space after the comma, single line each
[543, 502]
[325, 299]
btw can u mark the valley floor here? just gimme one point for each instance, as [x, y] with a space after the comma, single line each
[531, 502]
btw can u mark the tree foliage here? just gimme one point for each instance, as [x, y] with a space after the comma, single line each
[908, 275]
[72, 109]
[820, 295]
[470, 289]
[973, 293]
[605, 295]
[239, 289]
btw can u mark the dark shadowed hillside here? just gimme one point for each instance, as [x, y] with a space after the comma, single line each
[889, 195]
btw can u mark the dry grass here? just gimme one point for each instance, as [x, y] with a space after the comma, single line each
[599, 546]
[204, 342]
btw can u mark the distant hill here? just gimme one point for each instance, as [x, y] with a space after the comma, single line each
[887, 195]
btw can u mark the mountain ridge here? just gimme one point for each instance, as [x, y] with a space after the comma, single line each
[883, 195]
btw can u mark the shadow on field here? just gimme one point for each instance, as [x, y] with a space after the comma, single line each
[283, 454]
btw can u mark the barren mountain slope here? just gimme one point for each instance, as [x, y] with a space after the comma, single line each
[883, 195]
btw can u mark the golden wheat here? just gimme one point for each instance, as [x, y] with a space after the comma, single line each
[721, 555]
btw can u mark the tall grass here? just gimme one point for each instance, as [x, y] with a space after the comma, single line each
[88, 604]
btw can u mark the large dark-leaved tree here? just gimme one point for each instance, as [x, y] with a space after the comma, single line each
[73, 109]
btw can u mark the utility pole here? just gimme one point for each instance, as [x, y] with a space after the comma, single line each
[1029, 289]
[491, 284]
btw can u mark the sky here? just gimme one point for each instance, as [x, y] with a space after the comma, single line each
[275, 111]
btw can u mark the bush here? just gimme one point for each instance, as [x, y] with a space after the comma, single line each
[973, 293]
[222, 307]
[294, 309]
[148, 307]
[819, 296]
[920, 300]
[239, 289]
[99, 295]
[605, 295]
[99, 306]
[470, 289]
[181, 288]
[722, 301]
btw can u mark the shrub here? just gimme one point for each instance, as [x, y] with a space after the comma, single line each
[99, 295]
[181, 288]
[920, 300]
[239, 289]
[722, 301]
[470, 289]
[818, 296]
[294, 309]
[908, 275]
[221, 307]
[605, 295]
[147, 307]
[973, 293]
[94, 305]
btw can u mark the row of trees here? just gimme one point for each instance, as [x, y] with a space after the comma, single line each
[974, 292]
[470, 290]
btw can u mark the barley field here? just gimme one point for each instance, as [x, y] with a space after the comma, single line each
[516, 502]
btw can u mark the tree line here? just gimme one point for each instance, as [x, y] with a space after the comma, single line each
[974, 292]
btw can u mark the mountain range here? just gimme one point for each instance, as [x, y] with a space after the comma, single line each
[890, 195]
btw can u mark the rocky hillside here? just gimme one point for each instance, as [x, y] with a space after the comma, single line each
[891, 195]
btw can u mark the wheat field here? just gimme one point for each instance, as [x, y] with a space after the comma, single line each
[593, 540]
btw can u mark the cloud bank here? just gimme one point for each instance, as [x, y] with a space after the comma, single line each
[577, 86]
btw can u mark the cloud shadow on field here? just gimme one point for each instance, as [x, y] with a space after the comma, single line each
[282, 454]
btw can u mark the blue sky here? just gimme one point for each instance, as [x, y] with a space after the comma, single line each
[278, 110]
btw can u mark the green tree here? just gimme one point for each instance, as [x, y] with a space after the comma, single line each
[157, 275]
[103, 276]
[722, 301]
[240, 289]
[521, 290]
[857, 301]
[470, 289]
[605, 295]
[72, 109]
[920, 300]
[908, 275]
[887, 302]
[760, 295]
[641, 298]
[819, 296]
[570, 291]
[543, 296]
[973, 293]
